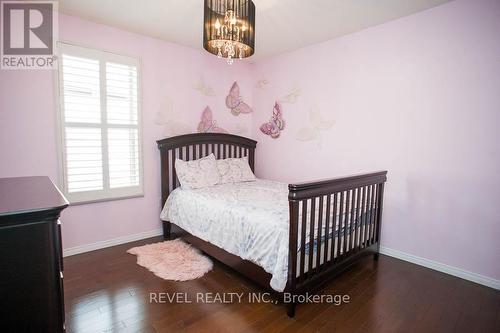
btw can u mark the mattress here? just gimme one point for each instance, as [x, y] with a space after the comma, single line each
[250, 220]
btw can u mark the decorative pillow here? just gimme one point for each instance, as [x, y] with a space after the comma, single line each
[234, 170]
[198, 173]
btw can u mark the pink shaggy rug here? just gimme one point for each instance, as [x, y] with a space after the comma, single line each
[172, 260]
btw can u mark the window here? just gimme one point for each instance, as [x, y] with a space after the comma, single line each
[100, 124]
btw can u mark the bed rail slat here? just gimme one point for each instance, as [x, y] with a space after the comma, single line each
[335, 229]
[311, 236]
[369, 215]
[350, 212]
[346, 220]
[303, 239]
[293, 240]
[175, 180]
[362, 219]
[328, 240]
[164, 175]
[341, 225]
[355, 223]
[317, 257]
[375, 191]
[374, 213]
[380, 204]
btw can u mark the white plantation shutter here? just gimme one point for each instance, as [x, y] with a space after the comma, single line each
[100, 121]
[123, 157]
[83, 159]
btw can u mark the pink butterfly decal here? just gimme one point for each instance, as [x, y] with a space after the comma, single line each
[235, 102]
[274, 126]
[207, 124]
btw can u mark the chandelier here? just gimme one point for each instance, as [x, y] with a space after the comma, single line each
[229, 28]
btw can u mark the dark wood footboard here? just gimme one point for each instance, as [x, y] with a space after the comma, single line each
[332, 223]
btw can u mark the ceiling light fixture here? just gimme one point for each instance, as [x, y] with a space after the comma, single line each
[229, 28]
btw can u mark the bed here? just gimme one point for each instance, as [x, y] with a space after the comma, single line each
[289, 238]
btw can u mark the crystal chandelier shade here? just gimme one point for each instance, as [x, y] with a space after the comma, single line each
[229, 28]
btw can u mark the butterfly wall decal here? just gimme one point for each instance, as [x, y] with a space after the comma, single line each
[203, 88]
[235, 102]
[276, 124]
[166, 109]
[262, 83]
[240, 129]
[317, 125]
[167, 118]
[207, 124]
[291, 97]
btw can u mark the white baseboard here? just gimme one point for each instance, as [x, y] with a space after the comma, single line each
[466, 275]
[111, 242]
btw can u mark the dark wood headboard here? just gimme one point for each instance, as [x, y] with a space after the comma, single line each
[194, 146]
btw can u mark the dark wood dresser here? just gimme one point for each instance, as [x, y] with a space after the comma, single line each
[31, 286]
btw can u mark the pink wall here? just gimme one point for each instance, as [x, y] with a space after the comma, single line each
[419, 97]
[28, 121]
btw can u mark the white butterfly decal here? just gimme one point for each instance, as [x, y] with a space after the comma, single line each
[262, 83]
[317, 125]
[203, 88]
[166, 109]
[167, 118]
[240, 129]
[291, 97]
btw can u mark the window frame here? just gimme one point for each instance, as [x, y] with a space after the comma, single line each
[103, 56]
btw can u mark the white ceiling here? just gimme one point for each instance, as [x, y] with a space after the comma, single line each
[281, 25]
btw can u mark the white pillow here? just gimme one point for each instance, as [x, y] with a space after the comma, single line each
[197, 173]
[234, 170]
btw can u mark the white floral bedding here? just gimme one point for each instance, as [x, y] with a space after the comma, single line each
[249, 219]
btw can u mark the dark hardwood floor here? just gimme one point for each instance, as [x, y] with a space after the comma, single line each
[106, 291]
